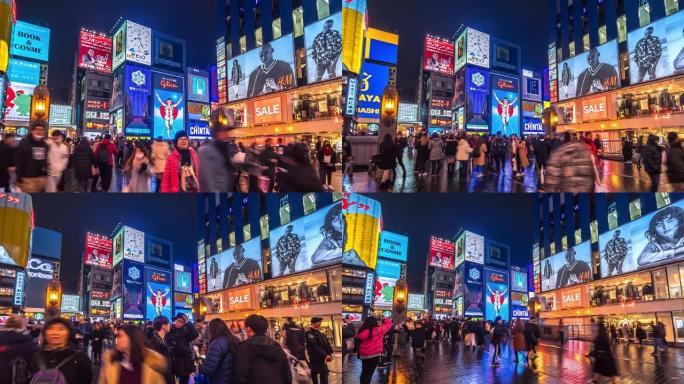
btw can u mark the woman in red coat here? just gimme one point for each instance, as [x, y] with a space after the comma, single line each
[182, 164]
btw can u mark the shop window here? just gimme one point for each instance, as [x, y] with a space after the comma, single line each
[681, 274]
[678, 319]
[612, 220]
[666, 319]
[219, 245]
[552, 248]
[586, 42]
[277, 32]
[603, 36]
[284, 214]
[258, 34]
[335, 284]
[247, 232]
[243, 44]
[263, 226]
[298, 19]
[674, 281]
[564, 243]
[578, 236]
[634, 209]
[323, 9]
[571, 48]
[662, 199]
[323, 104]
[671, 6]
[660, 283]
[231, 240]
[644, 15]
[303, 291]
[309, 200]
[622, 28]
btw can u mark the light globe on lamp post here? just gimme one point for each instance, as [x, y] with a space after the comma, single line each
[40, 104]
[389, 108]
[53, 299]
[399, 306]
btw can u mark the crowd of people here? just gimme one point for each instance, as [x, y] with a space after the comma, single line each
[39, 164]
[565, 162]
[162, 352]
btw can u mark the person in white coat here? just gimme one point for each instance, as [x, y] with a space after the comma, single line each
[57, 159]
[463, 155]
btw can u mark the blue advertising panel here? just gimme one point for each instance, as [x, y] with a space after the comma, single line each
[314, 240]
[158, 252]
[383, 51]
[132, 281]
[30, 41]
[657, 50]
[519, 280]
[168, 51]
[269, 68]
[169, 105]
[519, 305]
[235, 266]
[23, 71]
[505, 105]
[138, 82]
[373, 79]
[182, 281]
[532, 113]
[323, 41]
[393, 246]
[566, 268]
[473, 290]
[386, 268]
[505, 56]
[532, 88]
[477, 92]
[198, 85]
[497, 301]
[198, 130]
[158, 293]
[590, 72]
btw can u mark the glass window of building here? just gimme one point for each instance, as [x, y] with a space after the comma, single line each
[603, 36]
[284, 214]
[662, 199]
[678, 318]
[634, 209]
[593, 228]
[552, 248]
[258, 34]
[622, 28]
[612, 220]
[263, 226]
[231, 239]
[586, 42]
[277, 32]
[229, 51]
[674, 282]
[309, 200]
[578, 236]
[219, 245]
[335, 283]
[666, 318]
[247, 232]
[644, 14]
[618, 290]
[243, 44]
[564, 243]
[660, 283]
[671, 6]
[298, 19]
[571, 48]
[323, 9]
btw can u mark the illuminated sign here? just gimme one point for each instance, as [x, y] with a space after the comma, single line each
[235, 266]
[19, 289]
[393, 246]
[182, 282]
[98, 251]
[505, 104]
[352, 88]
[323, 42]
[95, 52]
[519, 282]
[198, 85]
[30, 41]
[416, 301]
[21, 71]
[221, 70]
[442, 301]
[168, 51]
[497, 296]
[566, 268]
[460, 51]
[590, 72]
[571, 298]
[72, 303]
[363, 217]
[657, 50]
[158, 289]
[198, 130]
[138, 43]
[169, 105]
[438, 55]
[38, 268]
[595, 108]
[268, 111]
[353, 28]
[373, 80]
[133, 244]
[477, 94]
[474, 247]
[442, 253]
[384, 291]
[240, 299]
[370, 286]
[386, 268]
[477, 48]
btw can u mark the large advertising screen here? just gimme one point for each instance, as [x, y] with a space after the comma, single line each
[158, 252]
[158, 293]
[374, 78]
[505, 105]
[138, 84]
[477, 48]
[198, 85]
[117, 247]
[20, 71]
[519, 305]
[416, 301]
[442, 253]
[134, 245]
[98, 251]
[473, 290]
[314, 240]
[532, 88]
[439, 55]
[119, 47]
[477, 93]
[497, 294]
[182, 281]
[566, 268]
[182, 300]
[198, 111]
[657, 50]
[18, 101]
[460, 249]
[532, 113]
[386, 268]
[519, 282]
[460, 51]
[269, 68]
[589, 72]
[71, 303]
[393, 246]
[138, 43]
[384, 291]
[132, 279]
[363, 222]
[355, 19]
[442, 301]
[235, 266]
[95, 52]
[169, 105]
[30, 41]
[168, 51]
[323, 40]
[649, 241]
[474, 247]
[497, 255]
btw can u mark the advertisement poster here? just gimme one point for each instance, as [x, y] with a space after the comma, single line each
[198, 85]
[442, 301]
[478, 48]
[132, 276]
[235, 266]
[311, 241]
[355, 17]
[133, 245]
[477, 93]
[119, 47]
[497, 301]
[505, 104]
[532, 117]
[506, 57]
[566, 268]
[21, 71]
[169, 106]
[182, 281]
[393, 246]
[157, 252]
[362, 217]
[373, 80]
[474, 247]
[519, 282]
[269, 68]
[442, 253]
[439, 55]
[30, 41]
[168, 51]
[473, 291]
[571, 298]
[18, 101]
[118, 85]
[98, 251]
[416, 301]
[590, 72]
[460, 51]
[95, 52]
[138, 85]
[158, 293]
[651, 240]
[182, 301]
[386, 268]
[268, 111]
[198, 111]
[657, 50]
[532, 89]
[384, 291]
[323, 41]
[198, 130]
[138, 43]
[460, 249]
[497, 255]
[519, 305]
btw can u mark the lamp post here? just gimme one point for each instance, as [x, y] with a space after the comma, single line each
[399, 306]
[550, 121]
[389, 108]
[534, 308]
[53, 299]
[40, 104]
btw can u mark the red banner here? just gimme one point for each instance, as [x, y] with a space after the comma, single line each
[439, 55]
[442, 253]
[98, 251]
[95, 52]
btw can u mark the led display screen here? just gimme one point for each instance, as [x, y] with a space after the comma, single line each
[393, 246]
[384, 291]
[182, 281]
[442, 253]
[505, 105]
[362, 217]
[657, 50]
[566, 268]
[21, 71]
[235, 266]
[439, 55]
[473, 305]
[30, 41]
[477, 93]
[138, 43]
[497, 301]
[169, 105]
[386, 268]
[589, 72]
[98, 251]
[138, 84]
[168, 51]
[133, 245]
[198, 85]
[323, 41]
[119, 46]
[18, 101]
[158, 293]
[95, 52]
[478, 48]
[132, 279]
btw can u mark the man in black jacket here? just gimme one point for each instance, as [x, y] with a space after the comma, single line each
[320, 352]
[160, 328]
[675, 162]
[178, 341]
[6, 161]
[295, 339]
[259, 358]
[31, 159]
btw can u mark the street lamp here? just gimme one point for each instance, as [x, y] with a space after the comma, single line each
[399, 301]
[534, 308]
[53, 298]
[388, 112]
[550, 121]
[40, 103]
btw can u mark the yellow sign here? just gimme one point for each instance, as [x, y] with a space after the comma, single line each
[6, 24]
[353, 29]
[15, 228]
[363, 220]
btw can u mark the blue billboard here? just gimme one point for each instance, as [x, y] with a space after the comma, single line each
[198, 130]
[132, 290]
[373, 80]
[477, 92]
[138, 82]
[386, 268]
[30, 41]
[198, 85]
[158, 287]
[169, 105]
[182, 281]
[505, 105]
[168, 51]
[497, 301]
[473, 306]
[21, 71]
[393, 246]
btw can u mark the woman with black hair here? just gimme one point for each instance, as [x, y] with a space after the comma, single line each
[139, 169]
[371, 336]
[219, 364]
[665, 236]
[58, 351]
[330, 248]
[131, 361]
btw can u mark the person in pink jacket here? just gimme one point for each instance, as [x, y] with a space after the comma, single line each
[370, 336]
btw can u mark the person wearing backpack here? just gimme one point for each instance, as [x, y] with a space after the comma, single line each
[131, 361]
[104, 157]
[219, 364]
[16, 348]
[259, 358]
[58, 361]
[181, 173]
[295, 339]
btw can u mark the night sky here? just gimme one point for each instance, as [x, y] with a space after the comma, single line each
[169, 217]
[195, 21]
[503, 218]
[522, 22]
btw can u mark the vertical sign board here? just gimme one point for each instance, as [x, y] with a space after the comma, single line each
[138, 84]
[132, 282]
[505, 103]
[158, 287]
[353, 28]
[473, 306]
[477, 94]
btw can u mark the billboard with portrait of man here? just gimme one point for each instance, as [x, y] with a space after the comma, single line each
[569, 267]
[235, 266]
[657, 50]
[589, 72]
[323, 40]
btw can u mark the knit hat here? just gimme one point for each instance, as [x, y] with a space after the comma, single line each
[316, 319]
[179, 134]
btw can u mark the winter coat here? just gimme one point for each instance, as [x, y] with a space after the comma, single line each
[418, 337]
[388, 155]
[480, 160]
[422, 151]
[570, 169]
[30, 157]
[464, 150]
[498, 334]
[371, 346]
[82, 161]
[14, 344]
[160, 152]
[519, 343]
[159, 346]
[6, 161]
[96, 338]
[297, 178]
[57, 158]
[140, 175]
[522, 154]
[218, 173]
[652, 158]
[450, 147]
[541, 150]
[77, 370]
[295, 340]
[436, 147]
[318, 348]
[178, 341]
[111, 151]
[531, 335]
[153, 368]
[220, 361]
[261, 360]
[604, 363]
[171, 177]
[675, 163]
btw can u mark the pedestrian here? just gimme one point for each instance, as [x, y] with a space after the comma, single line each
[160, 328]
[259, 358]
[470, 339]
[561, 331]
[6, 161]
[348, 333]
[104, 155]
[531, 339]
[327, 161]
[388, 157]
[319, 351]
[30, 158]
[659, 338]
[182, 170]
[219, 363]
[269, 158]
[499, 151]
[519, 342]
[498, 334]
[627, 150]
[298, 173]
[436, 149]
[58, 357]
[674, 161]
[295, 339]
[16, 348]
[96, 338]
[450, 147]
[463, 152]
[400, 144]
[570, 168]
[422, 154]
[541, 152]
[180, 336]
[613, 334]
[160, 153]
[523, 157]
[640, 334]
[604, 362]
[83, 164]
[479, 157]
[652, 159]
[371, 336]
[57, 160]
[418, 340]
[139, 169]
[131, 361]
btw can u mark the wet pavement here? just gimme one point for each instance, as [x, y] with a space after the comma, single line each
[614, 176]
[448, 362]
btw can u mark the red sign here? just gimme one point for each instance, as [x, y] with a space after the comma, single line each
[99, 295]
[439, 55]
[571, 298]
[442, 253]
[98, 251]
[595, 108]
[95, 52]
[97, 104]
[268, 111]
[240, 299]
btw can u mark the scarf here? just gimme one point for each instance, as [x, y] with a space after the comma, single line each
[184, 156]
